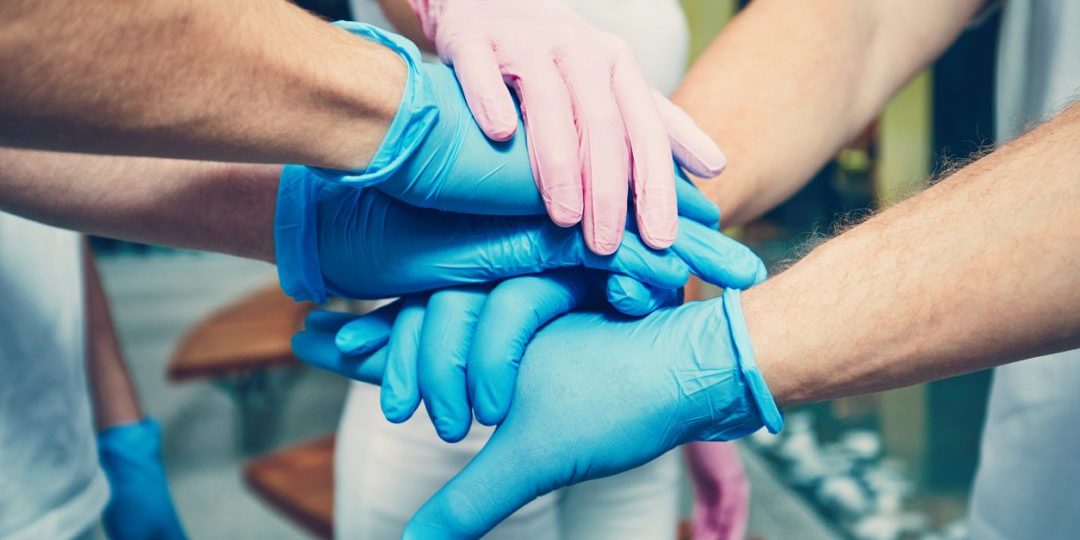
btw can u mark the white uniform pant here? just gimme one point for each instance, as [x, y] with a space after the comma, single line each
[384, 473]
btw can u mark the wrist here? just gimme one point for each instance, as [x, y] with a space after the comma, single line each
[746, 362]
[296, 235]
[765, 330]
[729, 396]
[414, 113]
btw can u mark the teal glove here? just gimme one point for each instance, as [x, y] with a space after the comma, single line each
[435, 155]
[459, 349]
[140, 507]
[463, 345]
[597, 394]
[358, 243]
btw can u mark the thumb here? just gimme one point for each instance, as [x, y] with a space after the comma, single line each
[494, 485]
[315, 346]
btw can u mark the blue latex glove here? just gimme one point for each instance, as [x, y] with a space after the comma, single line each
[463, 345]
[597, 394]
[141, 507]
[359, 243]
[435, 155]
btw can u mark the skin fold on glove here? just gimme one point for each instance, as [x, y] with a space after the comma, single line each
[597, 394]
[436, 155]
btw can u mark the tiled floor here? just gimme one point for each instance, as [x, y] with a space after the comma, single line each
[157, 297]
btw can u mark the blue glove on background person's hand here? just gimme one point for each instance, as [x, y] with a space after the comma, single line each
[597, 394]
[140, 507]
[332, 238]
[434, 154]
[458, 349]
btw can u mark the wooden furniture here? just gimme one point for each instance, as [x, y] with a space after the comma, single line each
[299, 483]
[235, 348]
[252, 333]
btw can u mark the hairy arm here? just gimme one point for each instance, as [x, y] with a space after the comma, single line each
[787, 83]
[977, 271]
[199, 205]
[244, 80]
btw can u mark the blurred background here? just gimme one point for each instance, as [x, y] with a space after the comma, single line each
[248, 431]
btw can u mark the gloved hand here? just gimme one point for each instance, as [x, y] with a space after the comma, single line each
[436, 156]
[359, 243]
[463, 345]
[597, 394]
[140, 507]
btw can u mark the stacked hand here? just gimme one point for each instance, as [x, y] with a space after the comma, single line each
[436, 155]
[597, 394]
[454, 220]
[459, 348]
[359, 243]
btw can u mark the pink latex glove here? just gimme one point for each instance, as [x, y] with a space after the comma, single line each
[721, 491]
[592, 121]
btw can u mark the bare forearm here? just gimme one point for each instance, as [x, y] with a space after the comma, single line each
[244, 80]
[787, 83]
[200, 205]
[977, 271]
[113, 394]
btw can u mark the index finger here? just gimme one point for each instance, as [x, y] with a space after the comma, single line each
[652, 170]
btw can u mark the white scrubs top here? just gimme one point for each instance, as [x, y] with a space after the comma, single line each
[1028, 481]
[50, 483]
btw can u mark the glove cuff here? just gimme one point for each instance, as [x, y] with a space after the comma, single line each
[140, 438]
[416, 115]
[744, 356]
[296, 237]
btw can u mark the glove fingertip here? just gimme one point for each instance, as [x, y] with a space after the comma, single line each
[451, 431]
[351, 343]
[705, 165]
[490, 405]
[496, 126]
[396, 410]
